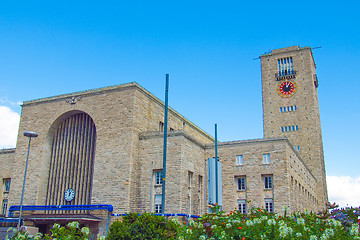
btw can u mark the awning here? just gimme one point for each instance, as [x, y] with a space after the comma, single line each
[60, 208]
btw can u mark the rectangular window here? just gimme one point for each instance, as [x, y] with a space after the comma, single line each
[266, 158]
[282, 129]
[242, 206]
[281, 109]
[158, 177]
[297, 128]
[285, 66]
[292, 108]
[295, 107]
[190, 176]
[268, 182]
[158, 203]
[293, 128]
[269, 205]
[7, 182]
[241, 183]
[161, 126]
[4, 206]
[288, 108]
[240, 160]
[286, 129]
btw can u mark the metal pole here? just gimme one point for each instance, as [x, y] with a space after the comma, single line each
[107, 223]
[205, 189]
[165, 145]
[151, 185]
[216, 167]
[29, 135]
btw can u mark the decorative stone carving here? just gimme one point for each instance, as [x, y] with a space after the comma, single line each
[73, 100]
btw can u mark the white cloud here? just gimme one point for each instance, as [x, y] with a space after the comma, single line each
[9, 127]
[6, 101]
[344, 190]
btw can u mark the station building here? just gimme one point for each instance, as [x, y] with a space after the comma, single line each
[99, 153]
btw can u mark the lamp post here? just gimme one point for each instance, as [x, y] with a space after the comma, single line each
[29, 135]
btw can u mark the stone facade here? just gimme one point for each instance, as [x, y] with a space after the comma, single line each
[303, 112]
[129, 147]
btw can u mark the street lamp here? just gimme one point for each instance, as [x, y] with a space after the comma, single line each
[29, 135]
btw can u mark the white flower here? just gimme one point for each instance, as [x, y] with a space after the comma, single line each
[73, 224]
[56, 225]
[175, 220]
[300, 221]
[271, 222]
[354, 231]
[298, 235]
[313, 237]
[284, 231]
[228, 225]
[249, 223]
[85, 230]
[256, 221]
[202, 237]
[334, 223]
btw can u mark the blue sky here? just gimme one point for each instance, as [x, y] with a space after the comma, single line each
[208, 48]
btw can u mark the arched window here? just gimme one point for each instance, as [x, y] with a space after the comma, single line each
[72, 161]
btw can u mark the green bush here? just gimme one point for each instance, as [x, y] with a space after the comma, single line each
[71, 231]
[262, 225]
[145, 226]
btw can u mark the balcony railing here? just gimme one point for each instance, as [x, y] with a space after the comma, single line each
[285, 75]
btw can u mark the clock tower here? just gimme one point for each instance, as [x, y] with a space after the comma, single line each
[291, 107]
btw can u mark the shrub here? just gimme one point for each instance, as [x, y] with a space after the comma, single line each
[145, 226]
[71, 231]
[260, 224]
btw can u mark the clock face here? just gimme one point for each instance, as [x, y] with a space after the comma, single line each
[69, 194]
[286, 88]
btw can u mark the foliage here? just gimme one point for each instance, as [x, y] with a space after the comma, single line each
[260, 224]
[23, 235]
[145, 226]
[71, 231]
[347, 216]
[340, 223]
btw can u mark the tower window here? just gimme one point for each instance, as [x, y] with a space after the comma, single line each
[288, 108]
[297, 148]
[290, 128]
[285, 66]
